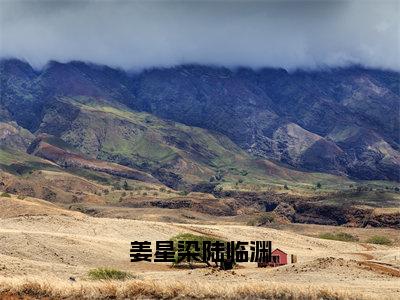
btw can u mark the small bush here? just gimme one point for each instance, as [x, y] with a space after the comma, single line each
[251, 222]
[218, 189]
[5, 195]
[21, 197]
[244, 173]
[338, 236]
[108, 274]
[379, 240]
[126, 186]
[261, 219]
[191, 237]
[183, 193]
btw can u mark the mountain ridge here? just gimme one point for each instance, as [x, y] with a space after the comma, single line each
[341, 121]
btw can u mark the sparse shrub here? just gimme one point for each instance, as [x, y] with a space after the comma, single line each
[379, 240]
[339, 236]
[318, 185]
[396, 189]
[244, 173]
[5, 195]
[286, 187]
[266, 217]
[144, 194]
[183, 193]
[108, 274]
[106, 192]
[155, 194]
[123, 194]
[219, 175]
[126, 186]
[218, 189]
[240, 180]
[263, 218]
[49, 194]
[162, 189]
[251, 222]
[21, 197]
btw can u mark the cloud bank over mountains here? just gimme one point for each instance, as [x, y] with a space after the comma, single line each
[139, 34]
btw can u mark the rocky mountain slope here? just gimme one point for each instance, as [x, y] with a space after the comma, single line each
[340, 121]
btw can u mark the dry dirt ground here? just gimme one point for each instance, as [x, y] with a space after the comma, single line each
[42, 241]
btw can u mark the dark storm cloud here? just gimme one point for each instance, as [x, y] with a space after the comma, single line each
[136, 34]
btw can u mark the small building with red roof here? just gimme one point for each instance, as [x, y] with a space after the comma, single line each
[278, 258]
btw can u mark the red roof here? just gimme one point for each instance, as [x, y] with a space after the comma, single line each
[278, 250]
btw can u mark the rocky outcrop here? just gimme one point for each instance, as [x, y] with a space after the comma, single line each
[14, 137]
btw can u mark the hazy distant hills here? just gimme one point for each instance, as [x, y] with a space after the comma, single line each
[340, 121]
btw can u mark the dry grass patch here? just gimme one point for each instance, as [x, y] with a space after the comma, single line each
[339, 236]
[108, 274]
[148, 289]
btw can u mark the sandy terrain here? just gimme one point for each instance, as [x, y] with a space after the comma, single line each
[39, 239]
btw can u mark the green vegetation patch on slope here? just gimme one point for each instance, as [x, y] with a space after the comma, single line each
[20, 163]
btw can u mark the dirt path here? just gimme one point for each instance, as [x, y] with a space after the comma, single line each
[379, 267]
[365, 256]
[368, 247]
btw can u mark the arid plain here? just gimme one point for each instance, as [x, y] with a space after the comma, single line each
[47, 251]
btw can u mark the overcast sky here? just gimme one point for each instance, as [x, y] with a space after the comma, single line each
[137, 34]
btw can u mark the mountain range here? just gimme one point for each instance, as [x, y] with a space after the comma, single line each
[191, 123]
